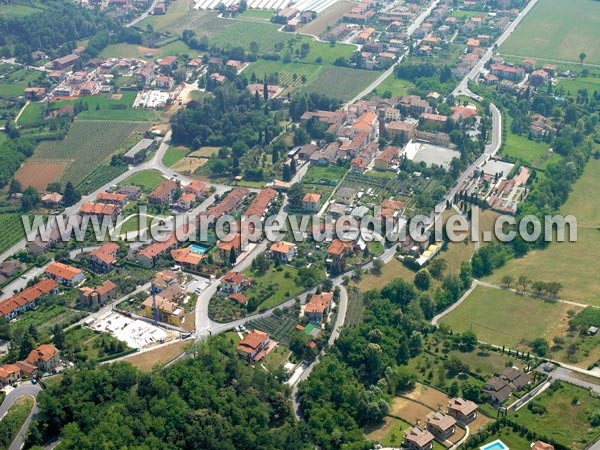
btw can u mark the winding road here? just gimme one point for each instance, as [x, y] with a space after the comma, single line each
[25, 389]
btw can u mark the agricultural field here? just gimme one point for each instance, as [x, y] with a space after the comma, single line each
[40, 173]
[342, 82]
[88, 145]
[565, 417]
[145, 179]
[242, 33]
[173, 155]
[390, 434]
[292, 76]
[532, 153]
[177, 47]
[12, 230]
[19, 10]
[558, 30]
[279, 327]
[397, 86]
[327, 18]
[502, 317]
[147, 360]
[572, 86]
[182, 16]
[574, 264]
[263, 15]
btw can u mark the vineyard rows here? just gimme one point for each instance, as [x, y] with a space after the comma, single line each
[89, 144]
[278, 327]
[11, 230]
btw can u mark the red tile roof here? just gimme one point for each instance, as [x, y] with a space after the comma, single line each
[252, 341]
[27, 295]
[319, 303]
[63, 271]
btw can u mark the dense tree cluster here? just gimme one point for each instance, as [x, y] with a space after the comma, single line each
[12, 153]
[214, 402]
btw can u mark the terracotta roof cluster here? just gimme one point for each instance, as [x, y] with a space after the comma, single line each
[164, 190]
[260, 203]
[157, 248]
[240, 298]
[464, 407]
[338, 247]
[106, 252]
[228, 204]
[389, 154]
[186, 256]
[45, 352]
[101, 289]
[27, 296]
[319, 303]
[6, 370]
[107, 197]
[396, 205]
[63, 271]
[196, 187]
[98, 209]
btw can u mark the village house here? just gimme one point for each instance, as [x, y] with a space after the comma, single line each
[319, 306]
[311, 202]
[186, 201]
[539, 445]
[403, 129]
[64, 274]
[261, 203]
[387, 158]
[338, 250]
[326, 156]
[27, 299]
[41, 244]
[414, 105]
[187, 258]
[305, 152]
[417, 438]
[167, 63]
[497, 390]
[283, 251]
[254, 345]
[34, 93]
[138, 152]
[165, 82]
[539, 78]
[163, 193]
[52, 199]
[97, 295]
[104, 258]
[464, 411]
[146, 73]
[433, 119]
[198, 188]
[9, 374]
[226, 247]
[44, 358]
[65, 61]
[441, 425]
[367, 123]
[111, 198]
[345, 195]
[504, 72]
[132, 192]
[529, 64]
[234, 282]
[150, 254]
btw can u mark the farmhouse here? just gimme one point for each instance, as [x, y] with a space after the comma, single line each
[254, 345]
[26, 299]
[97, 295]
[64, 274]
[417, 438]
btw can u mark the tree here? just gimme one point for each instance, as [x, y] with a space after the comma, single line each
[470, 390]
[523, 282]
[469, 340]
[232, 256]
[377, 266]
[275, 155]
[582, 57]
[422, 279]
[71, 195]
[30, 199]
[437, 267]
[540, 346]
[15, 187]
[507, 281]
[295, 196]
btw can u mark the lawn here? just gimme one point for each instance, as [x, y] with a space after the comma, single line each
[502, 317]
[330, 174]
[396, 86]
[276, 358]
[13, 84]
[530, 152]
[12, 422]
[263, 15]
[242, 33]
[462, 14]
[511, 438]
[87, 345]
[566, 417]
[100, 107]
[182, 16]
[173, 155]
[342, 82]
[392, 270]
[571, 86]
[145, 179]
[574, 264]
[559, 30]
[123, 50]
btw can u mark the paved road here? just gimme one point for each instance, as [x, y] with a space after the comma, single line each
[564, 374]
[20, 391]
[462, 87]
[142, 16]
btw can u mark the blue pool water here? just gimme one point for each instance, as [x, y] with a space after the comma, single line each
[496, 445]
[196, 248]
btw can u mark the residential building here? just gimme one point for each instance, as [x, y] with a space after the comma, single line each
[96, 296]
[345, 195]
[388, 156]
[234, 282]
[65, 274]
[539, 445]
[198, 188]
[52, 199]
[464, 411]
[417, 438]
[497, 389]
[168, 309]
[283, 251]
[311, 202]
[65, 61]
[441, 425]
[319, 306]
[27, 299]
[507, 72]
[404, 129]
[261, 203]
[138, 152]
[539, 78]
[100, 210]
[338, 250]
[253, 345]
[186, 201]
[132, 192]
[45, 357]
[41, 244]
[165, 82]
[9, 374]
[104, 258]
[111, 198]
[163, 193]
[187, 258]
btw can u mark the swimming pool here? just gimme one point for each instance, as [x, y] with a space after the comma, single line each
[196, 248]
[496, 445]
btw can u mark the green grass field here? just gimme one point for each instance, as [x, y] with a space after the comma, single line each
[574, 264]
[182, 16]
[19, 10]
[565, 420]
[504, 318]
[592, 84]
[12, 422]
[258, 14]
[146, 179]
[88, 145]
[241, 33]
[531, 153]
[109, 109]
[394, 85]
[342, 82]
[173, 155]
[560, 30]
[175, 48]
[13, 84]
